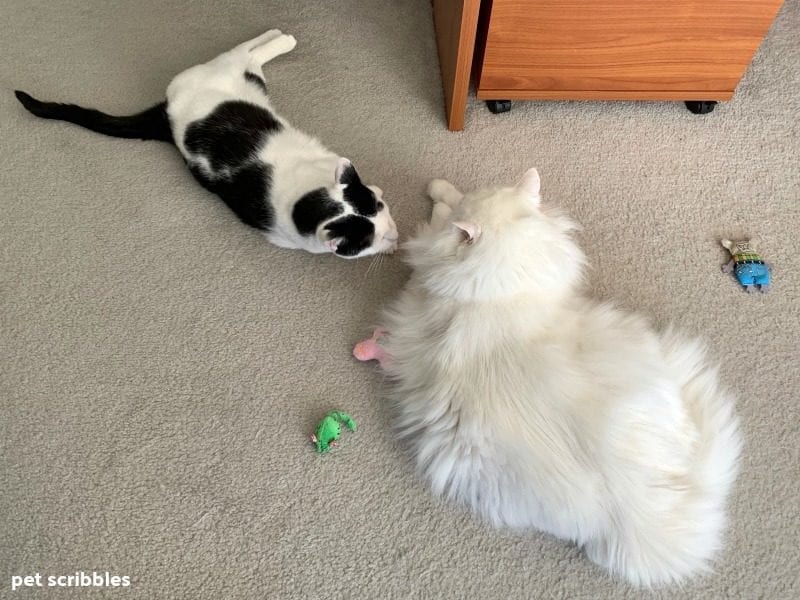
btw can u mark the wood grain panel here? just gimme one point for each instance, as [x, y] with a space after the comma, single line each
[592, 46]
[456, 22]
[717, 95]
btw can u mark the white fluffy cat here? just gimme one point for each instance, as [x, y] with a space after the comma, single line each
[538, 407]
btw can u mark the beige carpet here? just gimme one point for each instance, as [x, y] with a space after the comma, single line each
[161, 365]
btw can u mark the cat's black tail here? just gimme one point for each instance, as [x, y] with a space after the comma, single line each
[151, 124]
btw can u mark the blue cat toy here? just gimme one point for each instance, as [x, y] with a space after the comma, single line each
[748, 267]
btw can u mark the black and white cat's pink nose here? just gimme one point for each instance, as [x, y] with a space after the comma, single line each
[391, 237]
[390, 243]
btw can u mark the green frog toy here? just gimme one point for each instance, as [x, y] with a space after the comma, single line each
[329, 430]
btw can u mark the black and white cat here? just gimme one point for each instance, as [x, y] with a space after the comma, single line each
[274, 177]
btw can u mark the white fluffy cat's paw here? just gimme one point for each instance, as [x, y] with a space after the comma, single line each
[441, 190]
[440, 215]
[436, 189]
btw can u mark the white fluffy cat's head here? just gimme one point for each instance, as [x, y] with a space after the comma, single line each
[366, 226]
[497, 243]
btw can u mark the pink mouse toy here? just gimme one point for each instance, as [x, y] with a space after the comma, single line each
[370, 349]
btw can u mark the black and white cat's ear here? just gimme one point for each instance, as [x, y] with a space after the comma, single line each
[333, 243]
[469, 231]
[341, 167]
[530, 185]
[346, 173]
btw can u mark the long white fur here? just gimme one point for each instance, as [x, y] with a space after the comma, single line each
[300, 162]
[538, 407]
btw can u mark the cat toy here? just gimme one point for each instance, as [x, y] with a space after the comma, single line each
[370, 349]
[748, 267]
[329, 430]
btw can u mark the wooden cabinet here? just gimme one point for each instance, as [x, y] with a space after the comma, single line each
[597, 49]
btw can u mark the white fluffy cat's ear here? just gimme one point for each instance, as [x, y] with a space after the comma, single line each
[471, 231]
[530, 184]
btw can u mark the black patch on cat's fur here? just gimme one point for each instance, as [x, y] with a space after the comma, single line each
[151, 124]
[228, 138]
[359, 196]
[256, 80]
[357, 233]
[245, 192]
[231, 134]
[314, 208]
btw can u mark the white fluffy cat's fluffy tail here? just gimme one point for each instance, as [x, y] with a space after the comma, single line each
[649, 550]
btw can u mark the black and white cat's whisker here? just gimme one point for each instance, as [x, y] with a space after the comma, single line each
[373, 264]
[379, 261]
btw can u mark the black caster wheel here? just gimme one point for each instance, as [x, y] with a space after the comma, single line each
[498, 106]
[700, 107]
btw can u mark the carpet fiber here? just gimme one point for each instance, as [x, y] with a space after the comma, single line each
[161, 365]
